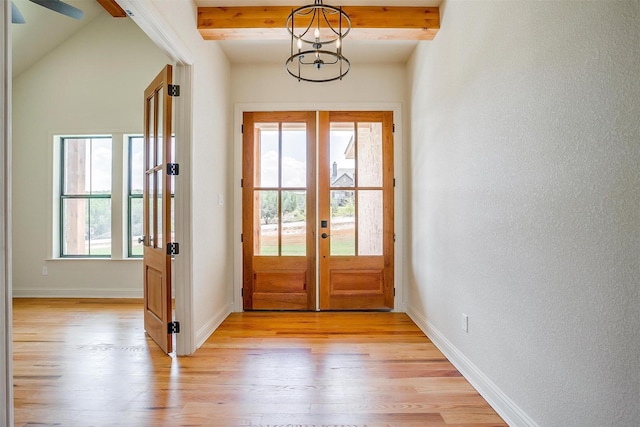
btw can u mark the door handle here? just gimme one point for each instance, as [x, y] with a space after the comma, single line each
[325, 235]
[141, 239]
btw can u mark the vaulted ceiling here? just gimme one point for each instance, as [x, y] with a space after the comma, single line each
[44, 30]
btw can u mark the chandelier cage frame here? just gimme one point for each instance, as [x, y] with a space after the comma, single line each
[317, 17]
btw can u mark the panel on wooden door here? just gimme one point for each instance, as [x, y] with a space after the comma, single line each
[355, 195]
[278, 198]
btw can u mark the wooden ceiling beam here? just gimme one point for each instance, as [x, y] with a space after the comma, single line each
[367, 22]
[113, 8]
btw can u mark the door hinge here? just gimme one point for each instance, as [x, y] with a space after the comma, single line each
[241, 182]
[173, 327]
[241, 128]
[174, 90]
[242, 292]
[173, 248]
[394, 128]
[241, 238]
[394, 182]
[394, 237]
[173, 169]
[394, 292]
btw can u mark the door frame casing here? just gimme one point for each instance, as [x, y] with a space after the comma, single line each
[399, 196]
[155, 26]
[6, 351]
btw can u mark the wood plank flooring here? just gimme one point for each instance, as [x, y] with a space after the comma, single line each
[88, 363]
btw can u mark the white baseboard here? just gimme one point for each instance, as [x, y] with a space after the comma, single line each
[77, 293]
[503, 405]
[209, 328]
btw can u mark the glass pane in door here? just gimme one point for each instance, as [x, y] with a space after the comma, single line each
[342, 155]
[343, 225]
[150, 208]
[267, 163]
[160, 127]
[266, 241]
[151, 148]
[160, 225]
[370, 222]
[294, 223]
[369, 153]
[294, 155]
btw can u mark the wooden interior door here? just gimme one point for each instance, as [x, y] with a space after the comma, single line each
[279, 200]
[157, 210]
[355, 206]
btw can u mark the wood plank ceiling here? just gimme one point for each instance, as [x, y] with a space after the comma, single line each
[269, 22]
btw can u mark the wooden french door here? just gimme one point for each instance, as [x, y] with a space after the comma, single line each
[354, 186]
[157, 210]
[279, 202]
[355, 207]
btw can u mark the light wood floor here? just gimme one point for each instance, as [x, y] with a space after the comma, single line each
[88, 363]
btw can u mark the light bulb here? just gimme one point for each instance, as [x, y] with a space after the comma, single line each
[338, 43]
[316, 33]
[299, 43]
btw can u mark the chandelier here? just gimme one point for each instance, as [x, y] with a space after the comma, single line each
[316, 33]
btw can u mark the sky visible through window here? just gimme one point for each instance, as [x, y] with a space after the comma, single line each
[294, 156]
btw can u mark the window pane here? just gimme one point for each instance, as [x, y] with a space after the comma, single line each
[86, 227]
[342, 155]
[294, 223]
[101, 166]
[160, 230]
[160, 140]
[87, 166]
[343, 229]
[136, 232]
[172, 238]
[294, 155]
[267, 164]
[173, 160]
[149, 230]
[370, 222]
[151, 150]
[75, 227]
[100, 227]
[136, 165]
[77, 163]
[369, 154]
[266, 241]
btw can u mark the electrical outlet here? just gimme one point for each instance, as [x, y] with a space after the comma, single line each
[465, 323]
[45, 271]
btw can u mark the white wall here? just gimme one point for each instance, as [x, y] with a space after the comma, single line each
[211, 155]
[526, 204]
[269, 83]
[92, 83]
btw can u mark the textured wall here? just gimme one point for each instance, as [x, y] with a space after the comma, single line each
[525, 154]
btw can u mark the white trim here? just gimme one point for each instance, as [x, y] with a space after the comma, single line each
[210, 327]
[504, 406]
[6, 353]
[155, 26]
[146, 15]
[186, 340]
[77, 293]
[398, 166]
